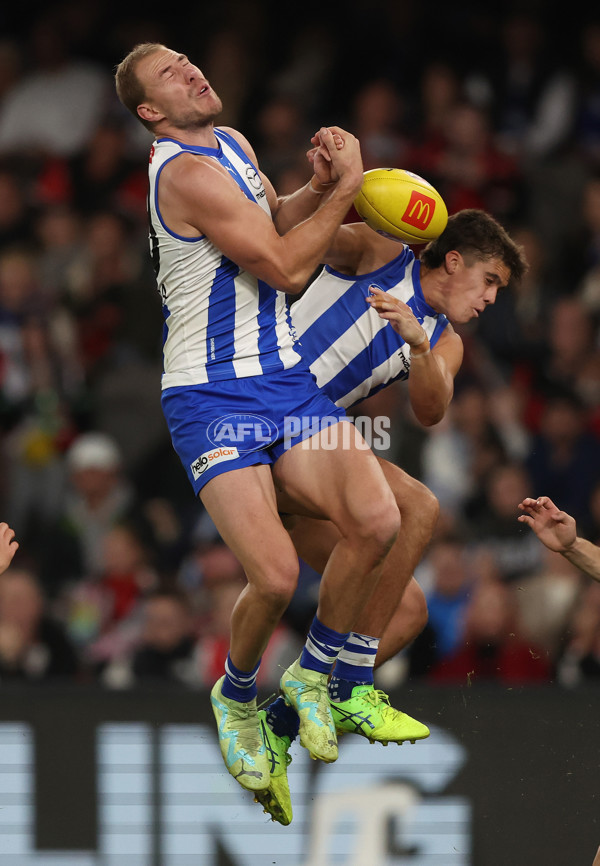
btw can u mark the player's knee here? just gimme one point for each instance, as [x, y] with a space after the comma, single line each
[279, 585]
[379, 526]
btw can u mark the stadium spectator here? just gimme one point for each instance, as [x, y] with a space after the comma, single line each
[564, 459]
[494, 528]
[54, 107]
[282, 134]
[165, 650]
[513, 330]
[468, 169]
[16, 212]
[580, 660]
[103, 176]
[440, 90]
[530, 94]
[33, 646]
[222, 585]
[103, 613]
[378, 117]
[99, 496]
[546, 602]
[451, 578]
[493, 648]
[458, 453]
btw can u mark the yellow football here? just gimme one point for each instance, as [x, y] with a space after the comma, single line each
[401, 205]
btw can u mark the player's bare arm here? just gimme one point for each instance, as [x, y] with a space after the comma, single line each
[290, 210]
[557, 530]
[197, 196]
[356, 249]
[432, 371]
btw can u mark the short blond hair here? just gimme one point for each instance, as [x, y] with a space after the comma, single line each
[129, 87]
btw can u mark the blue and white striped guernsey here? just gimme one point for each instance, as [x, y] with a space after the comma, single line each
[350, 350]
[220, 321]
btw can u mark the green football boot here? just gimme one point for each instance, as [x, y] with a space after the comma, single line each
[306, 692]
[368, 713]
[276, 800]
[241, 744]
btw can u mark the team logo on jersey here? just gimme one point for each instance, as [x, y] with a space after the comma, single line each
[243, 431]
[253, 177]
[405, 361]
[210, 459]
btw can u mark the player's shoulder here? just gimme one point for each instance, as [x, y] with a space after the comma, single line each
[449, 339]
[191, 169]
[240, 139]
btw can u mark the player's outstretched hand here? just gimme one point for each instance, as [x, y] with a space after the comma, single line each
[554, 528]
[8, 546]
[398, 314]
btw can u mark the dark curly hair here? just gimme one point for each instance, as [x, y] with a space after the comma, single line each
[476, 234]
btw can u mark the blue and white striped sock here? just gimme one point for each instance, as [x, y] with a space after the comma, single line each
[239, 685]
[322, 647]
[354, 666]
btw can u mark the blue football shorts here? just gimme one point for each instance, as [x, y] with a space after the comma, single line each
[220, 426]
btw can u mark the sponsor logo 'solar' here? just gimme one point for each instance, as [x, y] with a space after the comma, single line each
[212, 458]
[419, 211]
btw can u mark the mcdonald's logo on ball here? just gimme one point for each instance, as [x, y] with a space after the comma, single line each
[401, 205]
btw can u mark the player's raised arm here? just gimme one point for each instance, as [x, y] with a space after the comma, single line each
[432, 371]
[290, 210]
[557, 530]
[200, 193]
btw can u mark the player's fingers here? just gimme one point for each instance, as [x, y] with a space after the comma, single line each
[381, 304]
[528, 501]
[327, 139]
[343, 133]
[331, 136]
[388, 316]
[525, 518]
[321, 150]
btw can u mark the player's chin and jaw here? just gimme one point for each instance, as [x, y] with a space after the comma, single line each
[189, 116]
[192, 118]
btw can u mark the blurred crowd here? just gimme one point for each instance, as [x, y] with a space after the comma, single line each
[121, 576]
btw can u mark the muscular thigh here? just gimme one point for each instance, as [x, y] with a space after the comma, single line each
[242, 506]
[344, 484]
